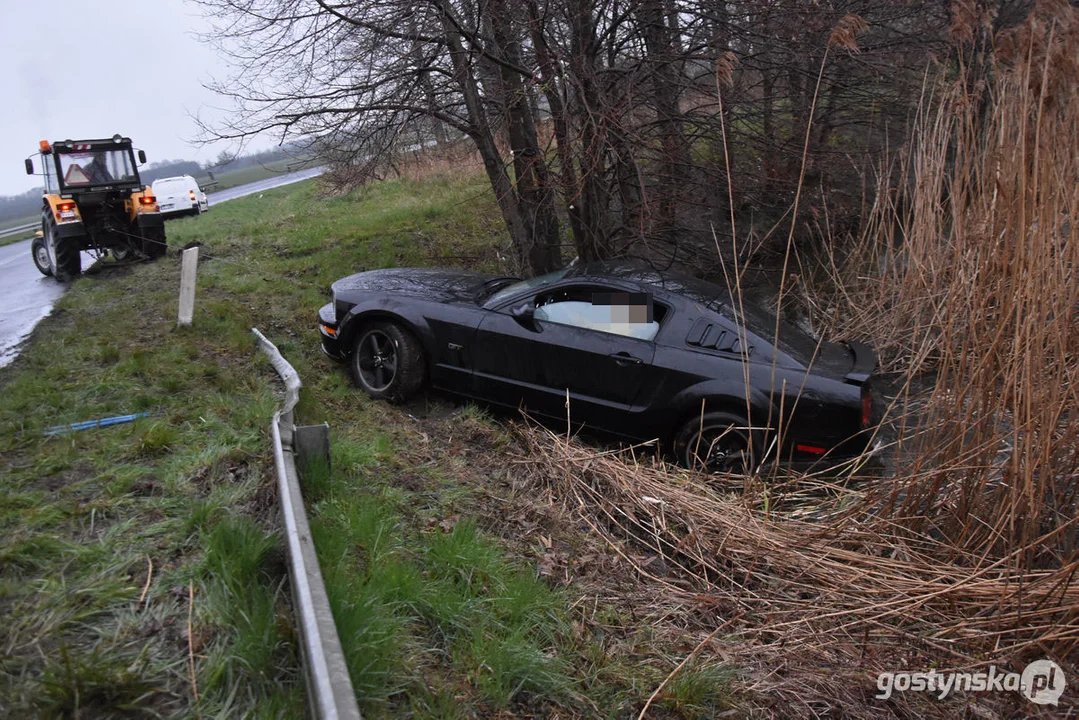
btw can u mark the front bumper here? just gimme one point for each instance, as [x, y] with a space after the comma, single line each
[327, 328]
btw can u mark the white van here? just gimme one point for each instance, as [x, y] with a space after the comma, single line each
[180, 195]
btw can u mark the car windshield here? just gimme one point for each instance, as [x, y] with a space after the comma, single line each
[96, 167]
[523, 285]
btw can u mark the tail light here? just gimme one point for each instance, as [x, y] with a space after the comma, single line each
[147, 200]
[192, 193]
[65, 211]
[867, 405]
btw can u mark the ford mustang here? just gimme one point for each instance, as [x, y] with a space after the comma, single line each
[637, 353]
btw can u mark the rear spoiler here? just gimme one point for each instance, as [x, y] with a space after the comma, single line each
[865, 362]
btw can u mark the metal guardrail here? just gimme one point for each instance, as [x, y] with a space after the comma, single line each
[28, 228]
[329, 688]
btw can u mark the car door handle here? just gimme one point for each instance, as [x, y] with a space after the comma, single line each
[624, 359]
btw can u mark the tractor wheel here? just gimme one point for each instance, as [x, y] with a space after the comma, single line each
[41, 256]
[154, 244]
[66, 251]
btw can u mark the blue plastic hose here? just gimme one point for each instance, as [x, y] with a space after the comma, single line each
[87, 424]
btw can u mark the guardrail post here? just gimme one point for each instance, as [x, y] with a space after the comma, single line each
[312, 443]
[188, 271]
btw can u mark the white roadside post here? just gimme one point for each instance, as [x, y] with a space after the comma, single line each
[187, 285]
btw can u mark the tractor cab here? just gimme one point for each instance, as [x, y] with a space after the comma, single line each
[98, 166]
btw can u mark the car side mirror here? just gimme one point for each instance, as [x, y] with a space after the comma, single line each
[142, 157]
[525, 314]
[29, 166]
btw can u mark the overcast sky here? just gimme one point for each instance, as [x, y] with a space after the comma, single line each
[88, 69]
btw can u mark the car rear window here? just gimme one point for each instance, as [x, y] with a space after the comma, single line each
[793, 341]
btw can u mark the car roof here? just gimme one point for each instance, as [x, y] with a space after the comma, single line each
[670, 281]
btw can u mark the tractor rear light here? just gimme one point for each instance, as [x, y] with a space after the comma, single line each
[66, 211]
[813, 449]
[147, 200]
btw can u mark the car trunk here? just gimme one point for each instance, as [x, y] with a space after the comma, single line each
[850, 362]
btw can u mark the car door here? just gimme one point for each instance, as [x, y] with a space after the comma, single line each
[566, 344]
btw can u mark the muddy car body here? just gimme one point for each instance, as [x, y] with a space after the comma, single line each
[703, 374]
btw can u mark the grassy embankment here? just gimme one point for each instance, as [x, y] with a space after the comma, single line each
[140, 567]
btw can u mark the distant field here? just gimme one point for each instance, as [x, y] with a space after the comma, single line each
[233, 178]
[16, 222]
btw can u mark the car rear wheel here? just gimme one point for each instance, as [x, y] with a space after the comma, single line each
[41, 256]
[388, 362]
[718, 442]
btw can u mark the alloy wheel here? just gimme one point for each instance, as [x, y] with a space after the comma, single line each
[719, 448]
[378, 360]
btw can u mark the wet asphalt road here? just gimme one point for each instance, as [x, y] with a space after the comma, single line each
[27, 296]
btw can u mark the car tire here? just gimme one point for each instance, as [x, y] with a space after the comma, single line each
[716, 442]
[388, 362]
[120, 254]
[41, 256]
[66, 251]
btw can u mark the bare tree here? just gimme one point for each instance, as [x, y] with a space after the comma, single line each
[628, 90]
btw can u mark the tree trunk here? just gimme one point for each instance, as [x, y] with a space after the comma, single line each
[553, 89]
[533, 182]
[674, 159]
[480, 131]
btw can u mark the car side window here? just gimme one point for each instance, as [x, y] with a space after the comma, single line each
[578, 307]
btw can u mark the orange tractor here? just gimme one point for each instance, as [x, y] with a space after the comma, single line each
[94, 202]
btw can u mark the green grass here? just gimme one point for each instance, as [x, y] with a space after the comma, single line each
[441, 609]
[443, 600]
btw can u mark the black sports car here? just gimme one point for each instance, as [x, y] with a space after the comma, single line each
[642, 354]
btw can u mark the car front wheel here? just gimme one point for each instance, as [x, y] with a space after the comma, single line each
[388, 362]
[716, 442]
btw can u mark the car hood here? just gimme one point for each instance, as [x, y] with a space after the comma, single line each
[435, 284]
